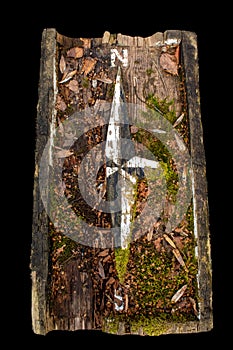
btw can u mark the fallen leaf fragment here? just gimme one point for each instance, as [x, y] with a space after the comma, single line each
[73, 86]
[157, 243]
[60, 104]
[108, 257]
[193, 302]
[150, 234]
[178, 257]
[101, 270]
[104, 252]
[62, 64]
[75, 52]
[169, 63]
[126, 302]
[105, 80]
[63, 153]
[111, 280]
[181, 305]
[169, 241]
[178, 240]
[60, 250]
[68, 76]
[134, 129]
[86, 43]
[177, 54]
[88, 65]
[179, 294]
[178, 120]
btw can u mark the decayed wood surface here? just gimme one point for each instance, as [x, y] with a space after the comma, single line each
[76, 310]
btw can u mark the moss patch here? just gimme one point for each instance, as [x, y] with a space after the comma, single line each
[121, 261]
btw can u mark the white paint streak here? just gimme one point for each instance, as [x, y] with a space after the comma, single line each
[159, 131]
[113, 147]
[172, 41]
[113, 152]
[138, 162]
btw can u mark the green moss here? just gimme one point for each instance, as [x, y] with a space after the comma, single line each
[85, 82]
[153, 326]
[162, 154]
[121, 261]
[110, 91]
[122, 255]
[171, 177]
[62, 247]
[155, 282]
[111, 324]
[155, 278]
[149, 71]
[165, 107]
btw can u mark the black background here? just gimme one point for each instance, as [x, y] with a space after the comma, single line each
[91, 20]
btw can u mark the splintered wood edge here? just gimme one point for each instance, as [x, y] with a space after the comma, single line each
[39, 245]
[200, 190]
[45, 115]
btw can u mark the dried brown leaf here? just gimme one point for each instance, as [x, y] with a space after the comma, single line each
[75, 52]
[177, 54]
[169, 63]
[104, 252]
[178, 242]
[88, 65]
[68, 76]
[60, 104]
[180, 231]
[179, 294]
[73, 86]
[194, 305]
[178, 120]
[108, 257]
[181, 305]
[150, 233]
[63, 153]
[105, 80]
[101, 270]
[178, 257]
[168, 239]
[157, 243]
[111, 280]
[62, 64]
[60, 250]
[86, 43]
[133, 129]
[61, 129]
[126, 302]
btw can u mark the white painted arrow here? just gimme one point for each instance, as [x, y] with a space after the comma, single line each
[113, 153]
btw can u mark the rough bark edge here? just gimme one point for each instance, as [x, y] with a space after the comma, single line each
[39, 245]
[200, 190]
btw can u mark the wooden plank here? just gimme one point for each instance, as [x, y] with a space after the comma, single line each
[39, 247]
[77, 276]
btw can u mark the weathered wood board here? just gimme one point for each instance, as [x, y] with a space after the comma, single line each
[83, 276]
